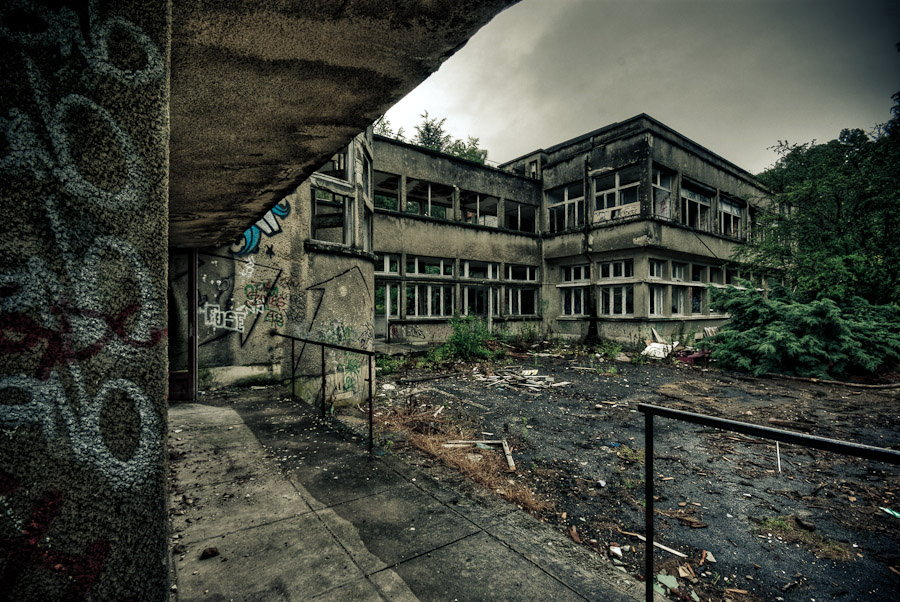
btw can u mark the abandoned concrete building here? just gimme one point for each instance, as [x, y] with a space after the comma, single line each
[624, 227]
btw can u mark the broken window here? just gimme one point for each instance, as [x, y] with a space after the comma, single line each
[481, 269]
[617, 300]
[657, 299]
[519, 216]
[481, 300]
[566, 205]
[521, 301]
[533, 169]
[678, 271]
[572, 299]
[336, 166]
[698, 273]
[730, 213]
[477, 208]
[387, 191]
[429, 198]
[662, 182]
[696, 300]
[429, 266]
[715, 275]
[367, 231]
[429, 300]
[695, 205]
[387, 263]
[575, 273]
[731, 276]
[328, 220]
[387, 300]
[614, 190]
[657, 268]
[623, 268]
[678, 300]
[521, 272]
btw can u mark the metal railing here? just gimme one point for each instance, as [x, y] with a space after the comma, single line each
[323, 346]
[868, 452]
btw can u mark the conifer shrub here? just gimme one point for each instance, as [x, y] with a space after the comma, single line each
[820, 338]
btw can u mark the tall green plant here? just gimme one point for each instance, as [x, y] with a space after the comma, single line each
[818, 338]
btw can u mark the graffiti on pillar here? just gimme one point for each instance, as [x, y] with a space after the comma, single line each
[53, 310]
[264, 298]
[26, 542]
[268, 225]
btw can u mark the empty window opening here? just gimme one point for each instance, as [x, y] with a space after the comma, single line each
[387, 263]
[336, 166]
[730, 213]
[566, 205]
[617, 300]
[328, 221]
[623, 268]
[429, 266]
[662, 182]
[575, 273]
[521, 272]
[429, 300]
[521, 301]
[657, 268]
[657, 299]
[477, 208]
[481, 300]
[519, 216]
[695, 208]
[387, 301]
[481, 269]
[615, 190]
[572, 299]
[387, 191]
[429, 198]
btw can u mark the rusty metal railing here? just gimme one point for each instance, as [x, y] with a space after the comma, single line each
[323, 346]
[868, 452]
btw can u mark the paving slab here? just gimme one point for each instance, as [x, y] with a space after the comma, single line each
[479, 568]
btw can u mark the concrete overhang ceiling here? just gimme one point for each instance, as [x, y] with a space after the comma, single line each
[264, 92]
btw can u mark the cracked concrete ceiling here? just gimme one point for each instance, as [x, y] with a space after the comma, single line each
[263, 93]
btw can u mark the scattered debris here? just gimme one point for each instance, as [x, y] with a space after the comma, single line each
[209, 553]
[573, 533]
[659, 350]
[486, 444]
[526, 379]
[893, 513]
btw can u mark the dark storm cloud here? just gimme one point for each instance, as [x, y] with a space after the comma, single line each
[734, 75]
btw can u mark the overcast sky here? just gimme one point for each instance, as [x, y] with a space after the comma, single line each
[733, 75]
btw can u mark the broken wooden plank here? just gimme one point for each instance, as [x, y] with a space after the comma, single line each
[655, 543]
[508, 453]
[476, 404]
[474, 441]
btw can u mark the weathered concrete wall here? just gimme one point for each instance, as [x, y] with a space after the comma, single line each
[83, 175]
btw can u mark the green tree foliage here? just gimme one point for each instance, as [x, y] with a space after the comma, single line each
[835, 218]
[831, 236]
[819, 338]
[432, 134]
[383, 128]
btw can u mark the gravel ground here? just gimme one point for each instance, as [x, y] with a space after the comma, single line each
[813, 531]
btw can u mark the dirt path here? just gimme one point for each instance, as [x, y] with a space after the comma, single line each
[813, 531]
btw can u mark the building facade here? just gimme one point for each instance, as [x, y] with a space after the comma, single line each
[618, 232]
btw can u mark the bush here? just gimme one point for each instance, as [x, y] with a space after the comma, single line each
[467, 343]
[818, 339]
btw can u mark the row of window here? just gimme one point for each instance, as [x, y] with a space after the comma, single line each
[437, 300]
[389, 263]
[618, 300]
[436, 200]
[658, 268]
[616, 194]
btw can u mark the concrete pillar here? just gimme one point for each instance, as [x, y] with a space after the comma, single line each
[83, 192]
[402, 191]
[457, 214]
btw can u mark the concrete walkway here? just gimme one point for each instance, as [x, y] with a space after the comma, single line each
[296, 510]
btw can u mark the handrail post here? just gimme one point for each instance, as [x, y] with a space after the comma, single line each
[293, 375]
[371, 402]
[648, 506]
[323, 379]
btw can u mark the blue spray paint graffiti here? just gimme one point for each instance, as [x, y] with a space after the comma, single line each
[268, 225]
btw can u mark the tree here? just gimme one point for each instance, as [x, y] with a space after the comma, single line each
[831, 232]
[383, 128]
[831, 236]
[432, 134]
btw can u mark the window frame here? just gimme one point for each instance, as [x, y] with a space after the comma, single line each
[576, 203]
[608, 300]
